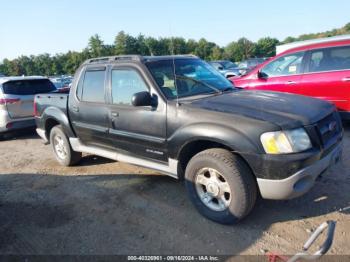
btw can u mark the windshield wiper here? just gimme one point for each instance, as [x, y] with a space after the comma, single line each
[199, 82]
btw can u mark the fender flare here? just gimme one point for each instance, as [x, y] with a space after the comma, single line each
[58, 115]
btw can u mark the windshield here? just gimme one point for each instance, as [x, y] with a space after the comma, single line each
[194, 77]
[228, 64]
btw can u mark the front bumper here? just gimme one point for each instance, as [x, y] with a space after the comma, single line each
[300, 182]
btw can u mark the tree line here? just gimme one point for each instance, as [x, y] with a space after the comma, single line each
[67, 63]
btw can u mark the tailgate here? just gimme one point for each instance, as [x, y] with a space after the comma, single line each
[19, 95]
[19, 106]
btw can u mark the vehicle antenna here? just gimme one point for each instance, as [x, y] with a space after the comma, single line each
[174, 69]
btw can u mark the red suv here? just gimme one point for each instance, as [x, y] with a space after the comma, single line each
[321, 70]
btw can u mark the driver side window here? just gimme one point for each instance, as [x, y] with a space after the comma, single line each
[286, 65]
[125, 83]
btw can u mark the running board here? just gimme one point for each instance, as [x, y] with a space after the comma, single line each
[170, 169]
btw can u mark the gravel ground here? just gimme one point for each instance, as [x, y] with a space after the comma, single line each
[105, 207]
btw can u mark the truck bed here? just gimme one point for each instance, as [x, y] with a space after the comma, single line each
[58, 101]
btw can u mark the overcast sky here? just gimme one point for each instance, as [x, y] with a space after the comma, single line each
[53, 26]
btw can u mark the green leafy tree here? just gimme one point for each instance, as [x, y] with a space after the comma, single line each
[240, 50]
[216, 53]
[126, 44]
[96, 46]
[233, 52]
[142, 46]
[334, 32]
[177, 45]
[191, 46]
[266, 47]
[2, 69]
[347, 28]
[157, 46]
[204, 49]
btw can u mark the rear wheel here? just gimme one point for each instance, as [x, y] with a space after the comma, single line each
[220, 185]
[62, 148]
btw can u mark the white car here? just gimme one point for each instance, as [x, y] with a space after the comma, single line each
[17, 98]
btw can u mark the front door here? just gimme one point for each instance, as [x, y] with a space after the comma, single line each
[282, 74]
[136, 130]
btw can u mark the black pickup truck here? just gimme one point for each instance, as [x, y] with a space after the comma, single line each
[177, 115]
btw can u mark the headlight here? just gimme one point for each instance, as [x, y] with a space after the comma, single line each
[284, 142]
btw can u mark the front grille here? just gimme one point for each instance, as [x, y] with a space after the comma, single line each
[329, 127]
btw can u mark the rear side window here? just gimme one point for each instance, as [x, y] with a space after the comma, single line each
[28, 87]
[315, 61]
[329, 59]
[93, 86]
[125, 83]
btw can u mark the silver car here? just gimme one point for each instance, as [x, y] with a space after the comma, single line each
[16, 100]
[225, 67]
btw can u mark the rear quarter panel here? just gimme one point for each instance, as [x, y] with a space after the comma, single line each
[53, 107]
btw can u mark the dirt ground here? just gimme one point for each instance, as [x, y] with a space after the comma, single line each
[105, 207]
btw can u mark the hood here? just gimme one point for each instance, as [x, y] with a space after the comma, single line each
[283, 109]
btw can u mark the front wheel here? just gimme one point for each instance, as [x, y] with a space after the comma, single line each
[62, 148]
[220, 185]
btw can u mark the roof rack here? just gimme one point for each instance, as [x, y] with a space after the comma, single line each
[162, 57]
[138, 58]
[114, 58]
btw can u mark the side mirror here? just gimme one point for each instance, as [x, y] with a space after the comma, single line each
[142, 99]
[220, 68]
[261, 75]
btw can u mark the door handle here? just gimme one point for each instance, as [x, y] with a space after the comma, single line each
[75, 108]
[291, 82]
[346, 79]
[115, 114]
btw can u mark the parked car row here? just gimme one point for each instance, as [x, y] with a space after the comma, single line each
[181, 117]
[230, 69]
[248, 65]
[225, 67]
[62, 83]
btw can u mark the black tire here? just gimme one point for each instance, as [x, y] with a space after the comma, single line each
[71, 157]
[238, 176]
[5, 136]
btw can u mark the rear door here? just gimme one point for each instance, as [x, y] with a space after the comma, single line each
[88, 109]
[19, 95]
[327, 75]
[282, 74]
